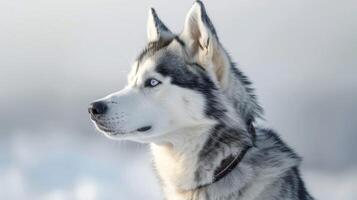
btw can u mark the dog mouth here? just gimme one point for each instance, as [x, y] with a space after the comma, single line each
[103, 127]
[116, 132]
[144, 129]
[106, 129]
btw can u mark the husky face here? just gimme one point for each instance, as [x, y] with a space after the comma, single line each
[163, 96]
[176, 83]
[165, 93]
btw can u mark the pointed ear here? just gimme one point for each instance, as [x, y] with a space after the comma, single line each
[202, 42]
[156, 30]
[198, 28]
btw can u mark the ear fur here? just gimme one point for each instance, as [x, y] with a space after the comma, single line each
[198, 26]
[202, 41]
[156, 29]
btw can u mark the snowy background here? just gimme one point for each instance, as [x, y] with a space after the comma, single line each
[56, 56]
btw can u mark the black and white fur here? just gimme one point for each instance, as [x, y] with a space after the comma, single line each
[187, 99]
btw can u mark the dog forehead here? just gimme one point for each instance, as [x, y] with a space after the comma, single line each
[163, 59]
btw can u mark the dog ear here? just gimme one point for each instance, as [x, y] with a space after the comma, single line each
[198, 27]
[202, 41]
[156, 30]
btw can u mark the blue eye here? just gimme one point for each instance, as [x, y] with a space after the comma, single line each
[151, 82]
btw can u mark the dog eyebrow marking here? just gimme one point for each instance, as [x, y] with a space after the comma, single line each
[152, 47]
[155, 46]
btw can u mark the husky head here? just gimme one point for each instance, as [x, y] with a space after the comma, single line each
[178, 82]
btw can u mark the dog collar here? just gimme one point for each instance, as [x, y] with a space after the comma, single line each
[231, 162]
[228, 164]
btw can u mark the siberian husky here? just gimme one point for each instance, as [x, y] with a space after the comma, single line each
[198, 112]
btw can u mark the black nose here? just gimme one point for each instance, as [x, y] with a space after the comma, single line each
[98, 108]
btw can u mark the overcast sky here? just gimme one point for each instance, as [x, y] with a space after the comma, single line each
[57, 56]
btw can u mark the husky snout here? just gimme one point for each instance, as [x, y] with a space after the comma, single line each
[126, 113]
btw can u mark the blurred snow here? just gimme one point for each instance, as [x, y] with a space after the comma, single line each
[330, 185]
[57, 164]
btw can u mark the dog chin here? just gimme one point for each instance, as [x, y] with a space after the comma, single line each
[121, 135]
[114, 135]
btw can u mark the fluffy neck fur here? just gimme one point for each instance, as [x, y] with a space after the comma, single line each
[182, 168]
